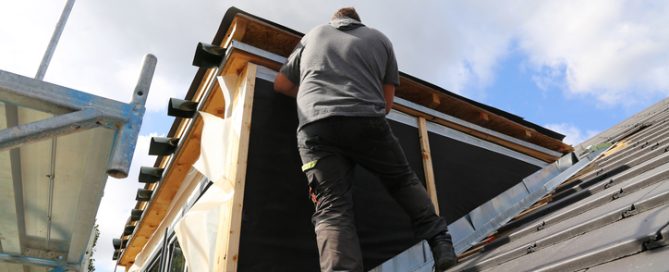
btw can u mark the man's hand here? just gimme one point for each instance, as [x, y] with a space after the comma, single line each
[388, 94]
[283, 85]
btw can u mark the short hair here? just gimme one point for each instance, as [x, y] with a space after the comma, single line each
[346, 12]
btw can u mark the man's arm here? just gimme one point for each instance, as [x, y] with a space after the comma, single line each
[388, 94]
[283, 85]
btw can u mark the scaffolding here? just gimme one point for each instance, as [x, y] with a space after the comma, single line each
[82, 131]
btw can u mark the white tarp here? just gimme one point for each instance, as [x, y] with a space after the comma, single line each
[197, 230]
[213, 154]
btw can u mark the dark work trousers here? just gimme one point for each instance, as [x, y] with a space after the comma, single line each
[330, 148]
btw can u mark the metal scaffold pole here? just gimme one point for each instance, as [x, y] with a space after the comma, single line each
[46, 59]
[41, 72]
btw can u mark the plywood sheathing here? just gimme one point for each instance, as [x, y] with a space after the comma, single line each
[260, 34]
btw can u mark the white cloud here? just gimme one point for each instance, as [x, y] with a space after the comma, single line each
[615, 51]
[573, 134]
[101, 49]
[21, 48]
[117, 202]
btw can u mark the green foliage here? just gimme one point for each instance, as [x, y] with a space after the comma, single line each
[91, 266]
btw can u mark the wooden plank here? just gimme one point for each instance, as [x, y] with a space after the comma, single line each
[260, 34]
[229, 228]
[427, 163]
[268, 37]
[484, 117]
[238, 60]
[236, 31]
[435, 101]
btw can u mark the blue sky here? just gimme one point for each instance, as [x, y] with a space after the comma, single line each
[515, 90]
[578, 67]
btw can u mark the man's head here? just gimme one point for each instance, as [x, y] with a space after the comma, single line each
[347, 12]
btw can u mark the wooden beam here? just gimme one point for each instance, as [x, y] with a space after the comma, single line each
[430, 183]
[484, 117]
[238, 59]
[229, 227]
[418, 93]
[508, 144]
[236, 31]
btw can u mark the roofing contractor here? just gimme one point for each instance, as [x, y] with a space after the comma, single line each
[344, 76]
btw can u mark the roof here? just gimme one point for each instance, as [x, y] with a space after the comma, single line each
[611, 216]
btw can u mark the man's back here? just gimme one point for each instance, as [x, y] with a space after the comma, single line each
[341, 69]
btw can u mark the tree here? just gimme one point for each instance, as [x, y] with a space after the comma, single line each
[91, 266]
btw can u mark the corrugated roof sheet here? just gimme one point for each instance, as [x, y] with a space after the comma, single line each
[611, 216]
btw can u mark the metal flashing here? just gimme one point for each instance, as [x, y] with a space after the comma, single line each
[415, 259]
[496, 212]
[265, 73]
[254, 51]
[403, 118]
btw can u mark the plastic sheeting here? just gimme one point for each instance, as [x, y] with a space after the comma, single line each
[213, 153]
[197, 230]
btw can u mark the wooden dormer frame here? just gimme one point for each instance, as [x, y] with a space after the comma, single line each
[261, 34]
[251, 41]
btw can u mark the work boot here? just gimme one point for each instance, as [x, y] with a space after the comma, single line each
[442, 251]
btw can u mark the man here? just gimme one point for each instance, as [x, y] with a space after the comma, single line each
[344, 76]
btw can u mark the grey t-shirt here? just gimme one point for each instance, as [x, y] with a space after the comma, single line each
[340, 69]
